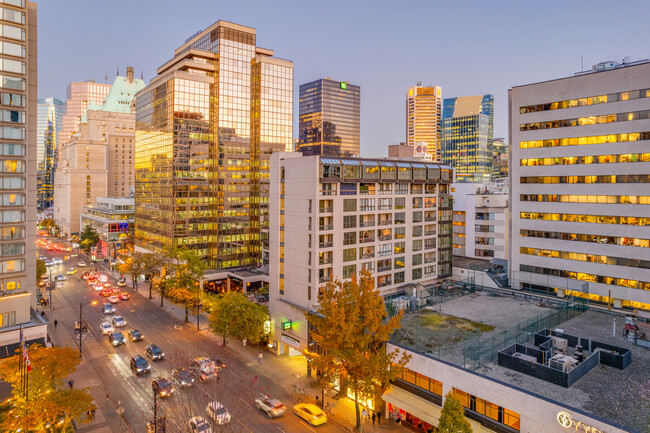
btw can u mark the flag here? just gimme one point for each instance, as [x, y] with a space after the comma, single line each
[25, 354]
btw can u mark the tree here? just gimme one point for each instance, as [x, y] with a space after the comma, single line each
[41, 269]
[151, 266]
[186, 268]
[134, 267]
[49, 399]
[452, 416]
[88, 238]
[49, 225]
[233, 314]
[351, 327]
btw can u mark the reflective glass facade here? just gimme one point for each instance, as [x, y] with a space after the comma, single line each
[205, 129]
[330, 118]
[467, 135]
[423, 114]
[48, 131]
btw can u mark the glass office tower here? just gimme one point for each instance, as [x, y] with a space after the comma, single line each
[48, 133]
[467, 135]
[330, 118]
[423, 114]
[206, 126]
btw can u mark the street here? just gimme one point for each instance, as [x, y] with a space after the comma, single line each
[238, 385]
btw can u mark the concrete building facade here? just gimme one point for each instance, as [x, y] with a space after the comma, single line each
[579, 174]
[79, 95]
[423, 118]
[333, 218]
[112, 218]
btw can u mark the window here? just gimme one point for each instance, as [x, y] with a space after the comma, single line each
[416, 189]
[416, 274]
[417, 217]
[417, 245]
[417, 259]
[384, 250]
[385, 204]
[399, 262]
[400, 218]
[349, 205]
[349, 238]
[417, 202]
[400, 203]
[399, 277]
[12, 32]
[400, 232]
[367, 188]
[12, 49]
[417, 231]
[349, 255]
[349, 271]
[401, 188]
[349, 221]
[348, 189]
[367, 204]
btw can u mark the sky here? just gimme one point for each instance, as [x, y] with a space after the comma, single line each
[466, 47]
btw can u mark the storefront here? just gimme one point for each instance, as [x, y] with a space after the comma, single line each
[413, 411]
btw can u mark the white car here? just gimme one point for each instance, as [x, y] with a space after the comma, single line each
[218, 413]
[119, 322]
[57, 261]
[112, 299]
[272, 407]
[199, 425]
[103, 278]
[106, 328]
[81, 263]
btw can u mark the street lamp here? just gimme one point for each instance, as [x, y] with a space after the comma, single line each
[198, 304]
[81, 329]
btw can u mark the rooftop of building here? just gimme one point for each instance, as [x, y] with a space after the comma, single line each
[469, 329]
[120, 97]
[406, 162]
[471, 263]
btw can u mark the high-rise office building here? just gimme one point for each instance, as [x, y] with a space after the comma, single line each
[99, 161]
[18, 98]
[423, 114]
[206, 126]
[579, 174]
[79, 96]
[48, 132]
[330, 118]
[499, 159]
[467, 135]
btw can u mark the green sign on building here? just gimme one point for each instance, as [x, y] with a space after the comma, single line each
[344, 86]
[286, 325]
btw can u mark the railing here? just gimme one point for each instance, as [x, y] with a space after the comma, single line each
[327, 192]
[385, 237]
[366, 208]
[326, 261]
[324, 279]
[384, 269]
[326, 226]
[367, 224]
[430, 260]
[325, 244]
[383, 283]
[326, 209]
[430, 233]
[429, 246]
[366, 240]
[429, 219]
[366, 256]
[385, 223]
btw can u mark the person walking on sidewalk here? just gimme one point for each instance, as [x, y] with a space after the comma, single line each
[56, 322]
[379, 417]
[374, 416]
[364, 413]
[260, 357]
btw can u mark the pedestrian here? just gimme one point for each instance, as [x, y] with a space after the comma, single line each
[56, 322]
[71, 383]
[364, 413]
[260, 357]
[317, 401]
[374, 416]
[379, 417]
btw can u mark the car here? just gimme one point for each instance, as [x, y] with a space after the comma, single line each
[272, 407]
[72, 271]
[112, 299]
[85, 275]
[140, 365]
[125, 296]
[106, 292]
[121, 282]
[199, 425]
[81, 263]
[117, 338]
[42, 258]
[162, 386]
[97, 287]
[182, 378]
[49, 263]
[310, 413]
[106, 328]
[57, 261]
[60, 277]
[107, 285]
[135, 335]
[107, 308]
[154, 352]
[218, 413]
[103, 278]
[203, 368]
[119, 322]
[219, 363]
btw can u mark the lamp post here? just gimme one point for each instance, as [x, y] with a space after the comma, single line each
[81, 329]
[198, 304]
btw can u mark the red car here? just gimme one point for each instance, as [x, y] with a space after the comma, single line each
[125, 296]
[107, 292]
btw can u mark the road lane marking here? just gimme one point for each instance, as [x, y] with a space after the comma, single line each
[185, 339]
[231, 372]
[306, 425]
[250, 429]
[279, 429]
[245, 402]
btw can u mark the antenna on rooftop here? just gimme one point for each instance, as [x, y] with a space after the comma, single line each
[582, 67]
[142, 74]
[118, 71]
[106, 79]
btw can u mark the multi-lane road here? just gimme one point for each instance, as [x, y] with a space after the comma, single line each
[237, 387]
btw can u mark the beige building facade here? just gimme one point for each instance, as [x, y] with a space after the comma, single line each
[423, 117]
[79, 96]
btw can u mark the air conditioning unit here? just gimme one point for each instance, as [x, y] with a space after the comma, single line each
[562, 362]
[561, 344]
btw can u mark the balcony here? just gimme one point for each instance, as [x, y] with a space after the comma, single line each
[326, 209]
[430, 233]
[429, 246]
[384, 269]
[385, 237]
[364, 256]
[325, 244]
[327, 192]
[429, 218]
[430, 260]
[324, 279]
[326, 226]
[366, 240]
[383, 283]
[385, 223]
[367, 224]
[325, 261]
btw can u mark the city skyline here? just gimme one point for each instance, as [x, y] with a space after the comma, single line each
[354, 50]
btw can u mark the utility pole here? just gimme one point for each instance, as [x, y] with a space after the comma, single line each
[81, 327]
[155, 415]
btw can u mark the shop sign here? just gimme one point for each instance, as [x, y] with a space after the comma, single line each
[290, 341]
[566, 420]
[267, 327]
[286, 325]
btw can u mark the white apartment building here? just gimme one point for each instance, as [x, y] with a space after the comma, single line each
[480, 220]
[333, 218]
[580, 167]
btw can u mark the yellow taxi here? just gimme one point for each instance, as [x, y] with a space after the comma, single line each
[310, 413]
[72, 271]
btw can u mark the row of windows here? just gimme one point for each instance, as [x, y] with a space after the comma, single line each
[624, 178]
[590, 100]
[12, 250]
[488, 409]
[594, 219]
[12, 32]
[633, 284]
[596, 199]
[578, 237]
[8, 266]
[12, 182]
[588, 120]
[583, 257]
[421, 381]
[380, 188]
[388, 172]
[580, 141]
[12, 216]
[599, 159]
[11, 49]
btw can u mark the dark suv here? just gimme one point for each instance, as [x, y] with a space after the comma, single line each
[162, 386]
[117, 339]
[154, 352]
[140, 365]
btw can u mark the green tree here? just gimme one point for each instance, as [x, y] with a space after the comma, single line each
[452, 416]
[41, 269]
[233, 314]
[49, 225]
[49, 399]
[151, 267]
[351, 327]
[88, 238]
[133, 266]
[186, 268]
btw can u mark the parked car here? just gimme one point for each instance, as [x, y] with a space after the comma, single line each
[72, 271]
[135, 335]
[121, 282]
[140, 365]
[162, 386]
[125, 296]
[272, 407]
[199, 425]
[106, 328]
[154, 352]
[182, 378]
[81, 263]
[218, 413]
[310, 413]
[117, 339]
[119, 322]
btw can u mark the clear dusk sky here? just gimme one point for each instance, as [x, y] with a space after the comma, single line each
[467, 47]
